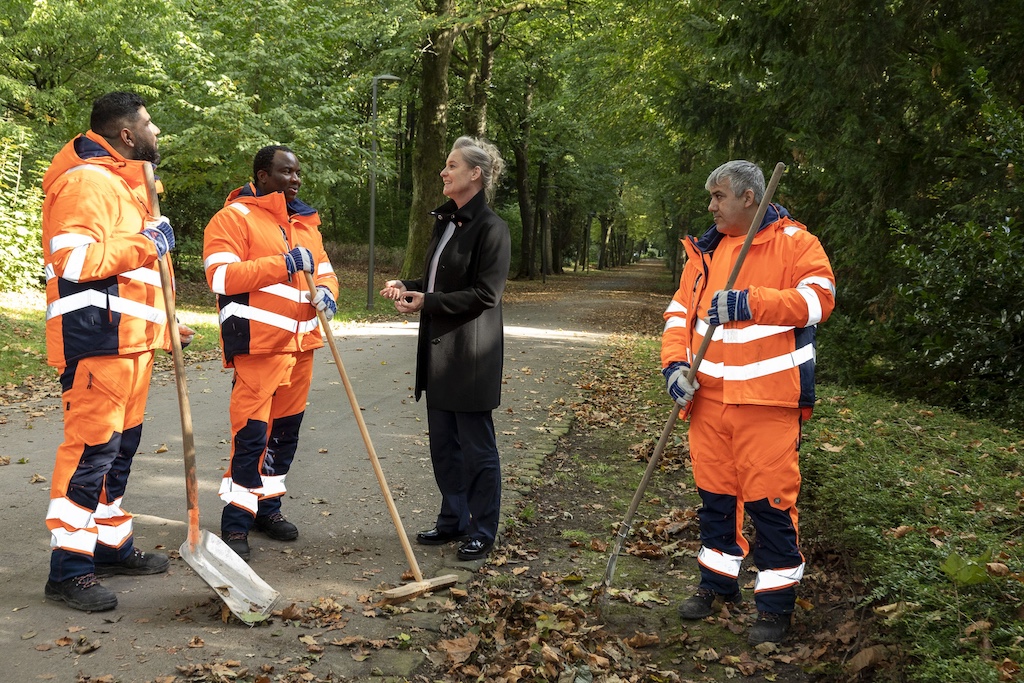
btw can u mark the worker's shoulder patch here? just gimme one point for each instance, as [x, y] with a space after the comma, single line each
[239, 207]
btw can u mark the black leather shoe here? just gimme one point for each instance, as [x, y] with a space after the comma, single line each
[437, 537]
[474, 549]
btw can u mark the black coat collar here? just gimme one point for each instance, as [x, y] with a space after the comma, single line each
[450, 213]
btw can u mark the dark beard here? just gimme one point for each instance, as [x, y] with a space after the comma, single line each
[147, 153]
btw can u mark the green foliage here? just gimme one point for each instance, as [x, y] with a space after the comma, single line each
[919, 501]
[21, 255]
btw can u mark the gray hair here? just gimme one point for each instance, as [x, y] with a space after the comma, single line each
[478, 152]
[742, 176]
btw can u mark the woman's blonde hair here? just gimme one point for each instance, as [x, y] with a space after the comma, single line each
[478, 152]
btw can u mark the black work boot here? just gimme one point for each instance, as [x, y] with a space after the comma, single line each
[770, 627]
[238, 541]
[277, 527]
[700, 604]
[83, 593]
[136, 564]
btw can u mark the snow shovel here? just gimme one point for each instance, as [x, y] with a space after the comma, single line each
[420, 586]
[247, 595]
[652, 465]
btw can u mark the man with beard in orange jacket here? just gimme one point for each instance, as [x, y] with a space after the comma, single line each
[752, 391]
[105, 318]
[255, 251]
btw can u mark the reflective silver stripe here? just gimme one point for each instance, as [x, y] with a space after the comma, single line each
[218, 280]
[104, 511]
[675, 307]
[742, 335]
[146, 275]
[324, 267]
[813, 304]
[114, 535]
[233, 494]
[273, 485]
[50, 273]
[674, 322]
[91, 297]
[69, 240]
[259, 315]
[240, 208]
[137, 310]
[286, 292]
[74, 264]
[220, 257]
[774, 579]
[81, 540]
[739, 373]
[822, 282]
[791, 230]
[88, 167]
[719, 562]
[69, 513]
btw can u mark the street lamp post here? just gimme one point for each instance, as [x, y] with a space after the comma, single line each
[373, 183]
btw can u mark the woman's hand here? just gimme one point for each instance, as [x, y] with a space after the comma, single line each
[393, 289]
[409, 302]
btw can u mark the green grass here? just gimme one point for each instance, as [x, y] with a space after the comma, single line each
[900, 488]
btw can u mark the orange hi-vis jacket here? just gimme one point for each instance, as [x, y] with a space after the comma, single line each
[261, 310]
[103, 294]
[769, 359]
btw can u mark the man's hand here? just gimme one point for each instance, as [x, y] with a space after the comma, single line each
[728, 306]
[159, 230]
[679, 388]
[187, 334]
[323, 301]
[298, 259]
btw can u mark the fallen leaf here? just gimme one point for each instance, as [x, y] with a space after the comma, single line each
[866, 658]
[162, 448]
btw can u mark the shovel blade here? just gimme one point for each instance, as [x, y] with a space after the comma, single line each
[248, 596]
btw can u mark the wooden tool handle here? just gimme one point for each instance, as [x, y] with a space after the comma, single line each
[187, 437]
[402, 536]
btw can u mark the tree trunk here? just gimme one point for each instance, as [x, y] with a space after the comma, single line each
[480, 48]
[526, 267]
[520, 148]
[544, 213]
[430, 143]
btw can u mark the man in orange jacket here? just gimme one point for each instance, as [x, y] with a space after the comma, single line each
[105, 318]
[255, 251]
[752, 391]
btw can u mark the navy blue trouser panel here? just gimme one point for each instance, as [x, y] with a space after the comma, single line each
[717, 516]
[467, 469]
[775, 547]
[281, 447]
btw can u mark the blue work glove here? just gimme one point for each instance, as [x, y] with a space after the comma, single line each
[159, 230]
[678, 387]
[298, 259]
[728, 306]
[324, 301]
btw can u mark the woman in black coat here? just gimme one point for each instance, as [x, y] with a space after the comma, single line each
[460, 348]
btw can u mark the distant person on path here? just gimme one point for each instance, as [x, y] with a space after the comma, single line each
[753, 390]
[460, 350]
[255, 251]
[105, 318]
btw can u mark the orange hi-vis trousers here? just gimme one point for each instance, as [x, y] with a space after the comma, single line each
[268, 401]
[746, 459]
[104, 402]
